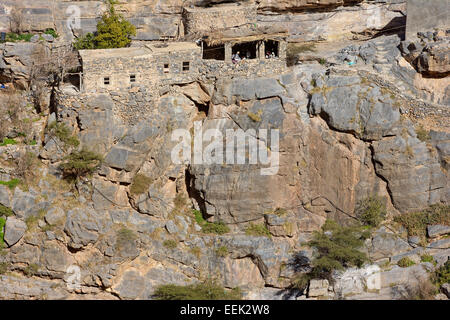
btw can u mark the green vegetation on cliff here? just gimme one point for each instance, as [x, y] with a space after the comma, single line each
[208, 290]
[416, 222]
[337, 247]
[113, 31]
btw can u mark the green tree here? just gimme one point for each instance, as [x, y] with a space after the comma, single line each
[113, 31]
[85, 42]
[336, 248]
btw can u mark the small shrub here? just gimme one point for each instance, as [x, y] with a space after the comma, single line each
[196, 251]
[140, 184]
[63, 133]
[15, 37]
[409, 152]
[3, 267]
[280, 211]
[171, 244]
[427, 258]
[371, 211]
[442, 274]
[416, 222]
[31, 269]
[301, 281]
[256, 117]
[32, 220]
[215, 227]
[179, 201]
[11, 184]
[422, 134]
[85, 42]
[2, 226]
[210, 227]
[405, 262]
[5, 211]
[222, 251]
[257, 230]
[198, 217]
[26, 168]
[80, 163]
[7, 141]
[322, 61]
[422, 290]
[207, 290]
[123, 237]
[52, 32]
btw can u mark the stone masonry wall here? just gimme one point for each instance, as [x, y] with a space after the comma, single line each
[175, 60]
[118, 70]
[253, 67]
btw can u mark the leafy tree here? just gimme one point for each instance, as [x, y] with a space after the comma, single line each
[80, 163]
[113, 31]
[336, 248]
[85, 42]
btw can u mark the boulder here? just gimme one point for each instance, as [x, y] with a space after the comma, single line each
[318, 288]
[349, 104]
[23, 203]
[412, 171]
[4, 196]
[356, 281]
[83, 226]
[54, 216]
[446, 289]
[437, 230]
[14, 230]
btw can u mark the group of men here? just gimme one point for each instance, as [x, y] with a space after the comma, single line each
[236, 58]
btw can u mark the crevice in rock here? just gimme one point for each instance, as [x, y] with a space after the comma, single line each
[194, 193]
[374, 163]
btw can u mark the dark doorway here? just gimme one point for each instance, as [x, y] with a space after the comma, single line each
[246, 50]
[213, 52]
[272, 49]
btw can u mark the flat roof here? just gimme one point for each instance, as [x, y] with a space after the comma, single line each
[149, 50]
[93, 54]
[164, 47]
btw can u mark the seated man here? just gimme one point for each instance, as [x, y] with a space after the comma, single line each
[235, 57]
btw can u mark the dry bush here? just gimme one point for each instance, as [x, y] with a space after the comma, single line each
[420, 289]
[11, 115]
[17, 20]
[26, 168]
[48, 70]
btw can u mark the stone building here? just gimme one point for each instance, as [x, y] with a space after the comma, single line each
[150, 65]
[202, 54]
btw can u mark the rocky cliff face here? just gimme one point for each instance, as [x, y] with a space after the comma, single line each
[347, 131]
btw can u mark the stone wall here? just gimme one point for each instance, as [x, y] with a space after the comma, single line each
[150, 70]
[220, 17]
[426, 15]
[253, 67]
[174, 64]
[175, 60]
[119, 71]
